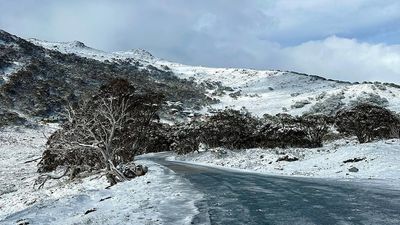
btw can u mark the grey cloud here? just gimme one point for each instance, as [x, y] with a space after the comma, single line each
[273, 34]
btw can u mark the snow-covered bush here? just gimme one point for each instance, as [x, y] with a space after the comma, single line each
[281, 131]
[329, 106]
[370, 98]
[272, 135]
[230, 128]
[186, 137]
[284, 130]
[300, 104]
[315, 126]
[368, 122]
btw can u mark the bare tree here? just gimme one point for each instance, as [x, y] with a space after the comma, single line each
[107, 128]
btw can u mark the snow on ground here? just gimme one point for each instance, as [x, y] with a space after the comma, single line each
[5, 73]
[159, 197]
[381, 163]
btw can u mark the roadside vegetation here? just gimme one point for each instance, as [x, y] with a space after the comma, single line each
[238, 129]
[105, 129]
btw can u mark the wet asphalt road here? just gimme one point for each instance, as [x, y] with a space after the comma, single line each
[248, 198]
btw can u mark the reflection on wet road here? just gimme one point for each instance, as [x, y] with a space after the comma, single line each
[248, 198]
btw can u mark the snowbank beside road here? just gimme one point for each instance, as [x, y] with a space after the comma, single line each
[159, 197]
[378, 161]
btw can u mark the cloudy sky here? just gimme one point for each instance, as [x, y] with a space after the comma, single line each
[343, 39]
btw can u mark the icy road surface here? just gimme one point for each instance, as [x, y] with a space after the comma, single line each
[232, 197]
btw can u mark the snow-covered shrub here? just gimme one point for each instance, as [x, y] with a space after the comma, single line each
[380, 86]
[300, 104]
[186, 137]
[284, 130]
[316, 126]
[230, 128]
[368, 122]
[281, 131]
[235, 94]
[329, 106]
[271, 135]
[321, 96]
[370, 98]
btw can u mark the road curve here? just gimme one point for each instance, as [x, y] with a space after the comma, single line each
[249, 198]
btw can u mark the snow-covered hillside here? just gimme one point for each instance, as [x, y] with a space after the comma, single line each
[260, 91]
[376, 162]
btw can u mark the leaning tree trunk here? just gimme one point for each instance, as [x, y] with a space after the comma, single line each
[113, 174]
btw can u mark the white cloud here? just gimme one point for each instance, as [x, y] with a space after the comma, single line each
[346, 59]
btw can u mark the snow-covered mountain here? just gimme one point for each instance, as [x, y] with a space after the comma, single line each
[260, 91]
[53, 71]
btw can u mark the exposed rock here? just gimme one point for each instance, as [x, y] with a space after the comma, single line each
[287, 158]
[235, 94]
[90, 211]
[353, 170]
[23, 222]
[103, 199]
[141, 170]
[131, 171]
[128, 172]
[354, 160]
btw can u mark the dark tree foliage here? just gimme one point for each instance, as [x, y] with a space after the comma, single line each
[103, 130]
[315, 126]
[186, 137]
[368, 122]
[282, 131]
[285, 130]
[10, 118]
[230, 128]
[158, 138]
[236, 129]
